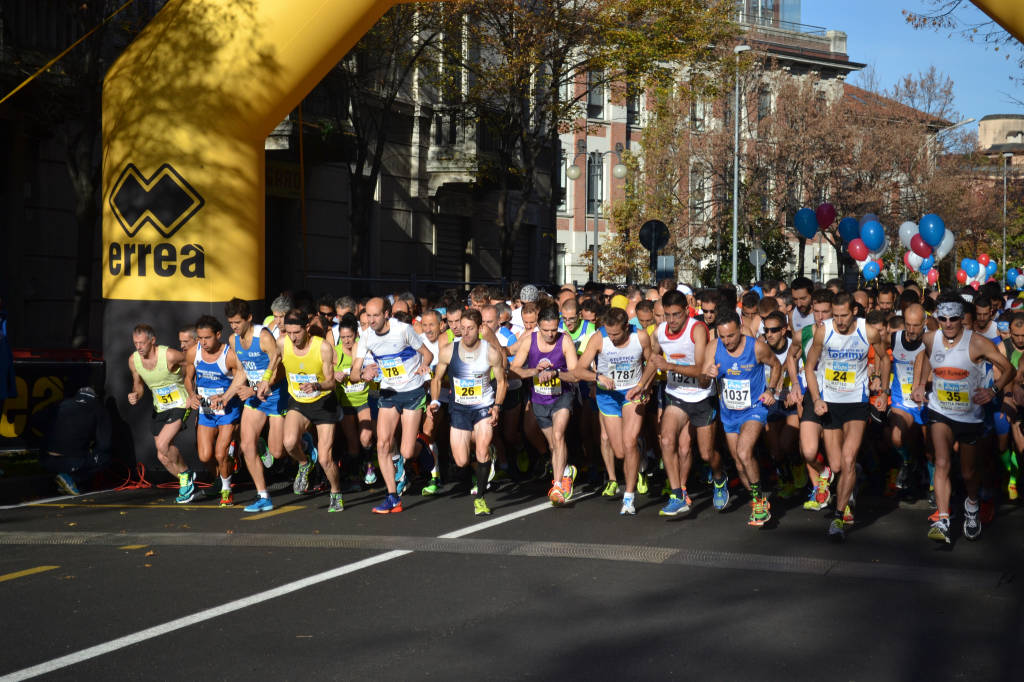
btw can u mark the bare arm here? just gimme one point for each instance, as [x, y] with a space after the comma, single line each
[238, 381]
[497, 361]
[922, 369]
[190, 378]
[766, 357]
[138, 388]
[813, 355]
[444, 358]
[877, 342]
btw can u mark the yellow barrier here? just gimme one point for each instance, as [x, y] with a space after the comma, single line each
[1007, 13]
[185, 112]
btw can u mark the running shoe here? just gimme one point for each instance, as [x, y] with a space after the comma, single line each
[401, 480]
[186, 487]
[848, 515]
[568, 481]
[902, 480]
[933, 517]
[265, 456]
[392, 504]
[666, 488]
[837, 530]
[759, 512]
[226, 498]
[335, 505]
[556, 495]
[931, 499]
[939, 530]
[611, 489]
[676, 505]
[1011, 490]
[822, 492]
[433, 487]
[231, 456]
[523, 461]
[262, 504]
[799, 476]
[480, 507]
[370, 477]
[709, 475]
[301, 482]
[972, 524]
[627, 508]
[720, 496]
[641, 484]
[308, 447]
[787, 490]
[67, 484]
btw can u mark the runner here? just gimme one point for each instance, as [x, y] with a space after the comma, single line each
[802, 290]
[214, 378]
[266, 398]
[435, 421]
[353, 400]
[679, 349]
[620, 353]
[159, 368]
[906, 417]
[842, 345]
[397, 351]
[738, 363]
[187, 338]
[548, 354]
[782, 431]
[309, 367]
[476, 403]
[954, 361]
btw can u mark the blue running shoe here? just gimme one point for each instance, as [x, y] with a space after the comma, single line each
[262, 504]
[186, 487]
[392, 504]
[720, 497]
[67, 484]
[308, 447]
[400, 478]
[676, 506]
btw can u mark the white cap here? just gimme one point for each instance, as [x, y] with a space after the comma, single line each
[683, 289]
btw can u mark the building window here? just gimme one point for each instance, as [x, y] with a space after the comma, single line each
[563, 181]
[764, 104]
[633, 107]
[595, 183]
[568, 89]
[595, 94]
[698, 114]
[727, 111]
[698, 193]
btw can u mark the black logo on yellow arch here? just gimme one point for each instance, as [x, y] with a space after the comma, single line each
[165, 200]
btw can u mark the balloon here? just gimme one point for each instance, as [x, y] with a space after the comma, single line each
[945, 246]
[858, 250]
[849, 229]
[933, 276]
[907, 230]
[826, 215]
[927, 264]
[932, 229]
[1019, 281]
[975, 285]
[913, 261]
[867, 218]
[806, 223]
[971, 266]
[1011, 275]
[961, 276]
[918, 246]
[877, 254]
[873, 235]
[871, 270]
[983, 259]
[991, 268]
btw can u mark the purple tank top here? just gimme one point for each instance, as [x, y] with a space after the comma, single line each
[546, 394]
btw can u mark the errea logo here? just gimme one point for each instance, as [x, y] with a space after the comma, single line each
[165, 201]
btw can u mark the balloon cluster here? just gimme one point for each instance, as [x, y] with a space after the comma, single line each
[1015, 277]
[865, 242]
[974, 271]
[927, 242]
[808, 222]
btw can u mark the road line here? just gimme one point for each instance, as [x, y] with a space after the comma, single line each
[245, 602]
[27, 571]
[280, 510]
[54, 499]
[63, 505]
[132, 546]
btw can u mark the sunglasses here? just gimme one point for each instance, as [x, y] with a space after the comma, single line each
[948, 319]
[772, 330]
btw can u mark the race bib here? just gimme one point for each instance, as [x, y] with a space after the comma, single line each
[207, 394]
[392, 368]
[468, 391]
[681, 381]
[905, 378]
[625, 375]
[169, 398]
[840, 378]
[254, 376]
[296, 379]
[553, 386]
[953, 396]
[736, 394]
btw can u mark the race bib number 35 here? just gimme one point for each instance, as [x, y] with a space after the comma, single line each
[953, 395]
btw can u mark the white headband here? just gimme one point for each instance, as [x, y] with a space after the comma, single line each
[949, 309]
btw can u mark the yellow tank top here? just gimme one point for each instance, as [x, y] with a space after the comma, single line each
[304, 369]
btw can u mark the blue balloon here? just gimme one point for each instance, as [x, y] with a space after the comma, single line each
[806, 223]
[931, 229]
[927, 264]
[867, 218]
[971, 266]
[870, 270]
[1011, 276]
[873, 235]
[849, 229]
[991, 268]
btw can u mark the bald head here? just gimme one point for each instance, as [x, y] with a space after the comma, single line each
[913, 322]
[377, 310]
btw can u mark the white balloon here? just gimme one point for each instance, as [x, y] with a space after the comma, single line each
[945, 246]
[907, 232]
[1019, 281]
[875, 255]
[915, 261]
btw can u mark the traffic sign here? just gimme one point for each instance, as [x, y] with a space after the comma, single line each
[654, 235]
[757, 257]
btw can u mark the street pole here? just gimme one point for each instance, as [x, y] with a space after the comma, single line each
[1006, 158]
[597, 214]
[736, 167]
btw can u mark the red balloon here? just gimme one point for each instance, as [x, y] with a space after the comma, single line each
[975, 285]
[858, 249]
[983, 259]
[919, 246]
[880, 265]
[906, 261]
[826, 215]
[933, 276]
[961, 275]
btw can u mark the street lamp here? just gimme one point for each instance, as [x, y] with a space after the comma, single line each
[573, 172]
[736, 164]
[1006, 159]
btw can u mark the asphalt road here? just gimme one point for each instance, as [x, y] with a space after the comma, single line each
[129, 586]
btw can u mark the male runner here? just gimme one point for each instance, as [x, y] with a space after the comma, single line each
[476, 403]
[398, 352]
[187, 338]
[782, 431]
[954, 360]
[840, 398]
[159, 368]
[214, 378]
[266, 398]
[435, 420]
[906, 417]
[737, 362]
[802, 289]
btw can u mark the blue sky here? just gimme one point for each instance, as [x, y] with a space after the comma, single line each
[878, 34]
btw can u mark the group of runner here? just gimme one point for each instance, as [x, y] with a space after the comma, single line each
[774, 388]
